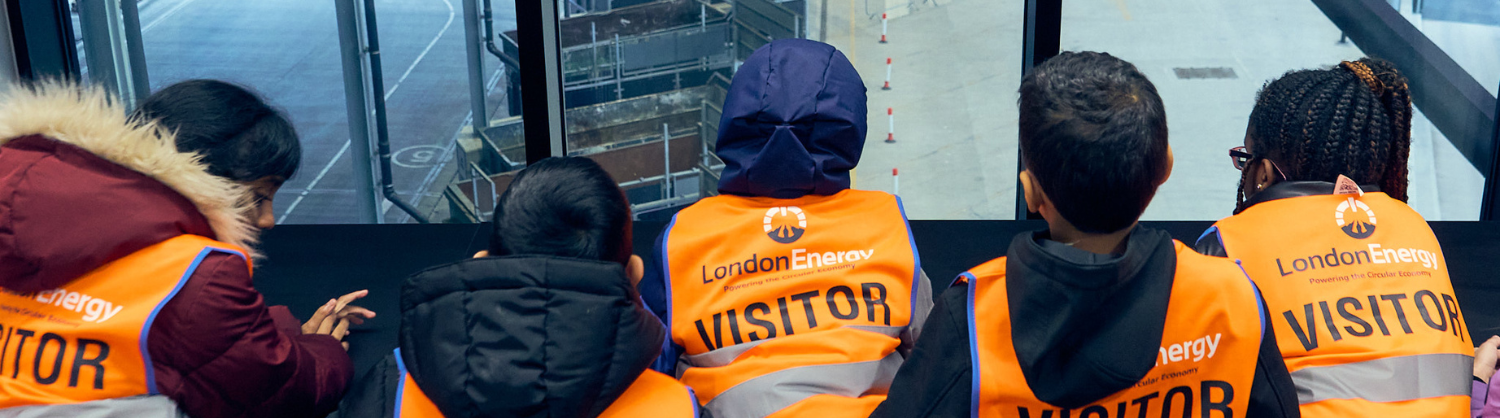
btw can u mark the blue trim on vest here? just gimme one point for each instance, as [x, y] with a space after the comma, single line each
[1210, 230]
[973, 348]
[666, 267]
[693, 398]
[146, 328]
[400, 383]
[960, 276]
[916, 274]
[668, 359]
[1260, 304]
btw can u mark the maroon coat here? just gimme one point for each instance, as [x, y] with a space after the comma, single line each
[217, 349]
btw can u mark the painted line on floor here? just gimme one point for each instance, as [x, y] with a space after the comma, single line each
[388, 93]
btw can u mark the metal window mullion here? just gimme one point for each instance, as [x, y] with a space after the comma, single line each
[357, 107]
[130, 19]
[8, 72]
[541, 79]
[1042, 40]
[41, 33]
[112, 39]
[475, 59]
[1490, 207]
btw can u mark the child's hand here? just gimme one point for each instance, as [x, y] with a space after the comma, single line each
[334, 317]
[1484, 358]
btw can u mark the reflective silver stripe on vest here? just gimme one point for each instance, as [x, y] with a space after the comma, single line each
[144, 406]
[726, 355]
[764, 395]
[1392, 379]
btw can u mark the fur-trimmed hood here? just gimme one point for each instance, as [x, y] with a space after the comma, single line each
[69, 155]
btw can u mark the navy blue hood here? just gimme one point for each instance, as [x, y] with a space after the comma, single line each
[794, 122]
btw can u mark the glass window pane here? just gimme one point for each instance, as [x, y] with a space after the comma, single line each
[953, 75]
[1469, 32]
[289, 52]
[1208, 59]
[643, 84]
[954, 68]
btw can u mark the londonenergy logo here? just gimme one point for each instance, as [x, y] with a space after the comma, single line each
[1376, 254]
[798, 259]
[1357, 229]
[93, 309]
[785, 224]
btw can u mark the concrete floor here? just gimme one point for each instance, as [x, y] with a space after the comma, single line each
[956, 69]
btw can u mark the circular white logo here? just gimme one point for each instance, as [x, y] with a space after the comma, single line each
[785, 224]
[1355, 228]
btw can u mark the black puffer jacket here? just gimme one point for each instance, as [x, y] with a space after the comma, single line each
[522, 336]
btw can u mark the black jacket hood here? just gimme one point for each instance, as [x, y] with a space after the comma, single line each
[525, 336]
[1085, 325]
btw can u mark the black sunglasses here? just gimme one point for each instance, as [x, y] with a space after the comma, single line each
[1239, 157]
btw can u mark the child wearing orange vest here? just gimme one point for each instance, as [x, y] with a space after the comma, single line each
[545, 323]
[126, 259]
[789, 294]
[1095, 316]
[1355, 280]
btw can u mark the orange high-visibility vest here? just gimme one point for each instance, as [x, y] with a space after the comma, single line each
[651, 395]
[86, 341]
[790, 307]
[1206, 364]
[1358, 290]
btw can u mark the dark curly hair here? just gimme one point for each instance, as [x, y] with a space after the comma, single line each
[1093, 133]
[1353, 119]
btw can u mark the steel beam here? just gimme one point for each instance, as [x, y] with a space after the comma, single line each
[357, 103]
[541, 79]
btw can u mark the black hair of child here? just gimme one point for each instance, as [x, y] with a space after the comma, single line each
[1094, 135]
[1319, 124]
[565, 207]
[240, 137]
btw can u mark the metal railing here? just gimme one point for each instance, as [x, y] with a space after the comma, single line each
[620, 59]
[668, 201]
[478, 175]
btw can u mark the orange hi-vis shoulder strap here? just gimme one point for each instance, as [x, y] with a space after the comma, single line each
[790, 306]
[651, 395]
[654, 395]
[1358, 290]
[411, 402]
[86, 341]
[1209, 348]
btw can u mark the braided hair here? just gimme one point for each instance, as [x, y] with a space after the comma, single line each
[1353, 119]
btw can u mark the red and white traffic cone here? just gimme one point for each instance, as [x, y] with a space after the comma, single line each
[887, 75]
[895, 182]
[882, 27]
[890, 137]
